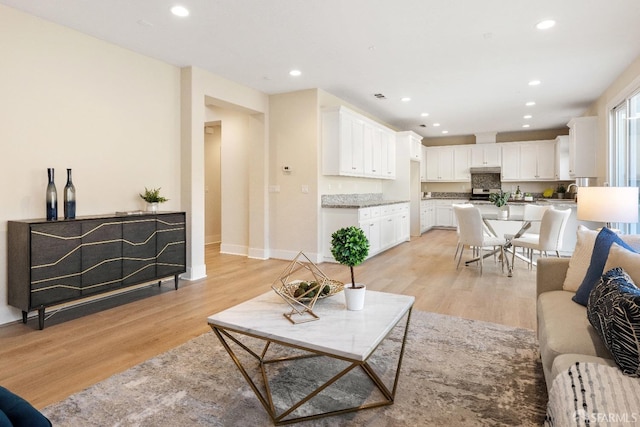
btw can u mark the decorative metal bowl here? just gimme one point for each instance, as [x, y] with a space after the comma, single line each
[333, 287]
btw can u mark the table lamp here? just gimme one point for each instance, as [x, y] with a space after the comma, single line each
[608, 204]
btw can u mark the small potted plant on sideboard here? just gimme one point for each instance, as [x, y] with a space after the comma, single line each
[153, 198]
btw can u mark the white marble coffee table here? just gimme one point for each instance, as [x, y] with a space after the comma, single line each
[352, 336]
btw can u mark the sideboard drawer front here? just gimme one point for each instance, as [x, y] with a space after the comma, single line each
[171, 245]
[139, 250]
[101, 255]
[55, 263]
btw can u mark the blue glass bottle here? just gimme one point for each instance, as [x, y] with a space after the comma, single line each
[52, 197]
[69, 198]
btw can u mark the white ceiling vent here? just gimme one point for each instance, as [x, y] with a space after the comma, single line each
[486, 138]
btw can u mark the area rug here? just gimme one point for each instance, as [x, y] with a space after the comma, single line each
[455, 372]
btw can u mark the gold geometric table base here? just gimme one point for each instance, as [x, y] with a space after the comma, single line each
[266, 398]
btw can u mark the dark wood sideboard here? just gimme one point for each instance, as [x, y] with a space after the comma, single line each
[55, 262]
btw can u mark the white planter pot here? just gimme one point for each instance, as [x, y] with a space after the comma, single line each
[354, 297]
[503, 213]
[152, 207]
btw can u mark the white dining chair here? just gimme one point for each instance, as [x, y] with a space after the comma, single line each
[473, 234]
[459, 205]
[548, 239]
[533, 215]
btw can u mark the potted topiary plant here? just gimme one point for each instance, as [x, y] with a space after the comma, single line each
[153, 198]
[350, 246]
[500, 200]
[560, 190]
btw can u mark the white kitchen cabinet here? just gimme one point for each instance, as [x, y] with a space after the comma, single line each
[353, 145]
[528, 161]
[371, 228]
[562, 158]
[388, 149]
[583, 136]
[444, 216]
[486, 155]
[440, 163]
[461, 163]
[537, 161]
[427, 215]
[414, 141]
[372, 151]
[385, 226]
[510, 162]
[546, 155]
[423, 165]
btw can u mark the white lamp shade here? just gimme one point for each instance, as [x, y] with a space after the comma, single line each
[608, 204]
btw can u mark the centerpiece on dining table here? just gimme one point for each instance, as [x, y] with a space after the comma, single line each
[501, 199]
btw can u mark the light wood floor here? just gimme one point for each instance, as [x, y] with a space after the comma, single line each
[75, 352]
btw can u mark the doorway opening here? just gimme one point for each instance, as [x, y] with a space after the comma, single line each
[212, 185]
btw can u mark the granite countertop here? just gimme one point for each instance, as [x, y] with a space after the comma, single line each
[361, 200]
[511, 202]
[361, 204]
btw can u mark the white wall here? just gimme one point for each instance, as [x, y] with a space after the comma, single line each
[294, 140]
[72, 101]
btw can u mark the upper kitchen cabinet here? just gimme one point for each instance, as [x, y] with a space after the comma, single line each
[562, 158]
[486, 155]
[528, 161]
[414, 141]
[353, 145]
[423, 165]
[388, 148]
[461, 163]
[439, 163]
[583, 134]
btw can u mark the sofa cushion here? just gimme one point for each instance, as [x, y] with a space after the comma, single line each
[563, 328]
[629, 261]
[604, 240]
[614, 311]
[580, 259]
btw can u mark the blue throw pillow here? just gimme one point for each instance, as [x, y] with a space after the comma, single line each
[614, 312]
[604, 240]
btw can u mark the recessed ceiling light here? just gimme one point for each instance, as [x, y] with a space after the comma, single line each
[295, 73]
[534, 82]
[425, 114]
[436, 124]
[445, 131]
[530, 104]
[525, 126]
[180, 11]
[406, 99]
[546, 24]
[528, 116]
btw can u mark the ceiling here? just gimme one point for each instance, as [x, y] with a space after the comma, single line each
[465, 62]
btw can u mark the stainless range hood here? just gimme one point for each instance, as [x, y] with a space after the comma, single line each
[485, 169]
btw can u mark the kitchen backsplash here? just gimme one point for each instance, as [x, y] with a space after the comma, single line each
[485, 180]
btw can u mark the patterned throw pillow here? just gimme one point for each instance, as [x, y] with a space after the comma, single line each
[614, 311]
